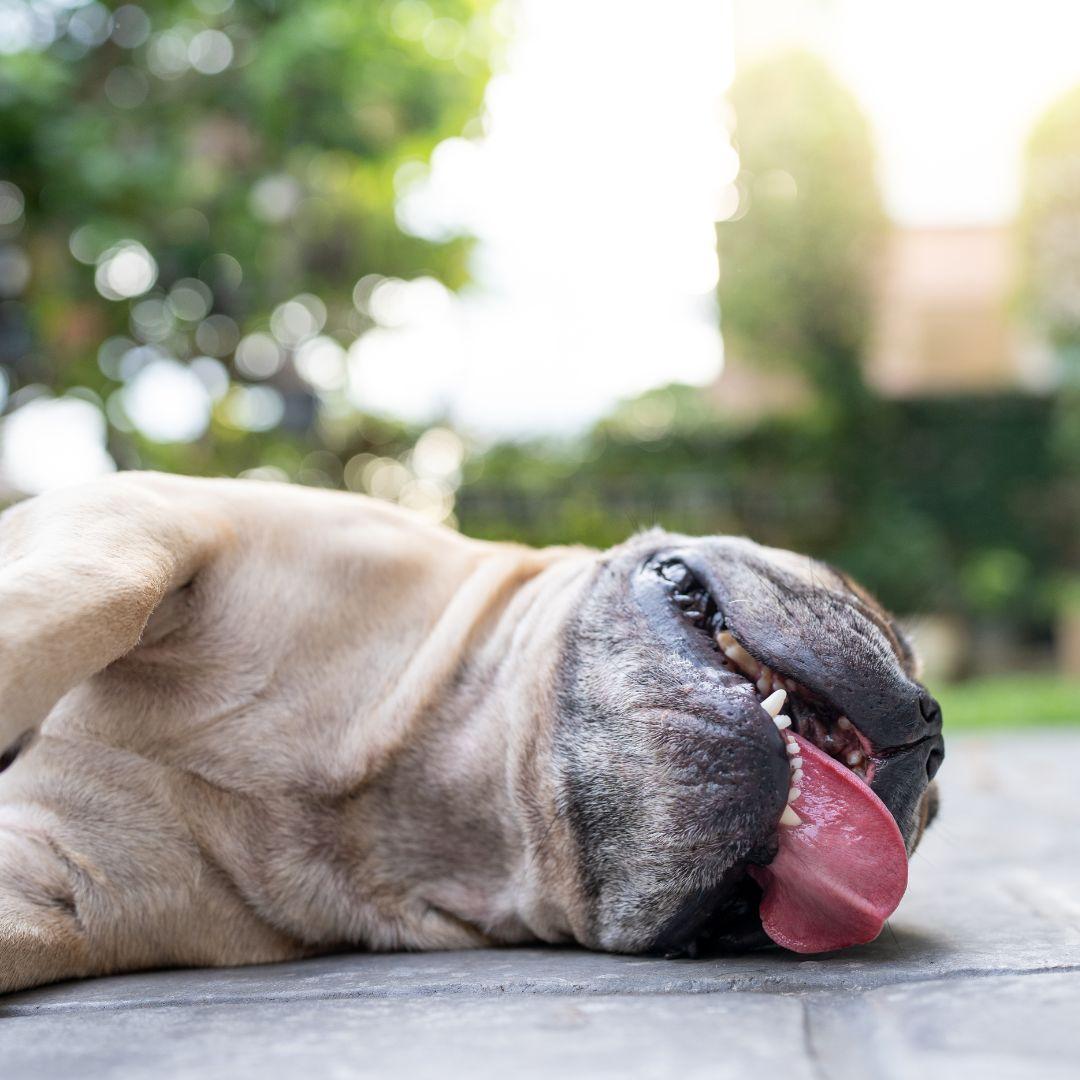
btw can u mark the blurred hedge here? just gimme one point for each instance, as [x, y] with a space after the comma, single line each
[936, 504]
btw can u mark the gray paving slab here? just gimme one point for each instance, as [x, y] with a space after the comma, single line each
[600, 1036]
[986, 1029]
[978, 973]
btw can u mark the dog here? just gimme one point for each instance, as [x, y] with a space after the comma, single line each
[252, 722]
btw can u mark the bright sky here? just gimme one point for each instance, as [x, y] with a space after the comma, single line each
[594, 194]
[952, 88]
[594, 198]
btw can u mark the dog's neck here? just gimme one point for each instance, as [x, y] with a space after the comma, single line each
[485, 722]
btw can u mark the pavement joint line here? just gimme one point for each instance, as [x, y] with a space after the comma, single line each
[497, 992]
[813, 1058]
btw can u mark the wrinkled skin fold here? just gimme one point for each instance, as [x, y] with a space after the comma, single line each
[249, 722]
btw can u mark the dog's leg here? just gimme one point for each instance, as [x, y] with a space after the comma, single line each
[81, 570]
[99, 873]
[40, 937]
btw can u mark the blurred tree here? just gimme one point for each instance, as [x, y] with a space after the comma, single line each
[1048, 290]
[202, 183]
[798, 266]
[1049, 229]
[797, 257]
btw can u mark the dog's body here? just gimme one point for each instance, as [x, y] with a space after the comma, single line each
[275, 721]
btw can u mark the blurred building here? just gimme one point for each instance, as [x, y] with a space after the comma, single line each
[943, 324]
[944, 321]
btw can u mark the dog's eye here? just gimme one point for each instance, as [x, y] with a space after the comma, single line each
[688, 593]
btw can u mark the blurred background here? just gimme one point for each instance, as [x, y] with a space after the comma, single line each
[558, 270]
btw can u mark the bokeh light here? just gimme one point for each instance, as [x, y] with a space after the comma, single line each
[167, 401]
[210, 52]
[52, 442]
[258, 356]
[11, 203]
[125, 270]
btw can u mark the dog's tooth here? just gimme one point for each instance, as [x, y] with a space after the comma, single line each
[792, 746]
[782, 722]
[763, 684]
[796, 776]
[793, 794]
[844, 724]
[736, 652]
[774, 702]
[790, 818]
[854, 758]
[725, 639]
[796, 762]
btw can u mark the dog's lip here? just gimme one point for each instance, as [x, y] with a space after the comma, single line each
[813, 714]
[814, 690]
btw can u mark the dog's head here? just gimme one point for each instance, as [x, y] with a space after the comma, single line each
[675, 784]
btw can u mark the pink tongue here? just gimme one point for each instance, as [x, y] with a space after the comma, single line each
[840, 874]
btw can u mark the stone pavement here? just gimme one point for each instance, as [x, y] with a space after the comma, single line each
[978, 975]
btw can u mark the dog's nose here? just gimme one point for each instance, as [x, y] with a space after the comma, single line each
[931, 711]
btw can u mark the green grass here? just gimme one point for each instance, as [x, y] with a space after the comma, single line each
[1010, 701]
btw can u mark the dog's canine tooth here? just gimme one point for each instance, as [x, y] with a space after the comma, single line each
[775, 690]
[790, 818]
[736, 652]
[774, 702]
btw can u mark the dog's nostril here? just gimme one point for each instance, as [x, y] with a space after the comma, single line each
[931, 711]
[934, 760]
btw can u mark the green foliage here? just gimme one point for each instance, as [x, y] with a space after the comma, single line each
[1049, 226]
[796, 260]
[1048, 235]
[1009, 701]
[250, 145]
